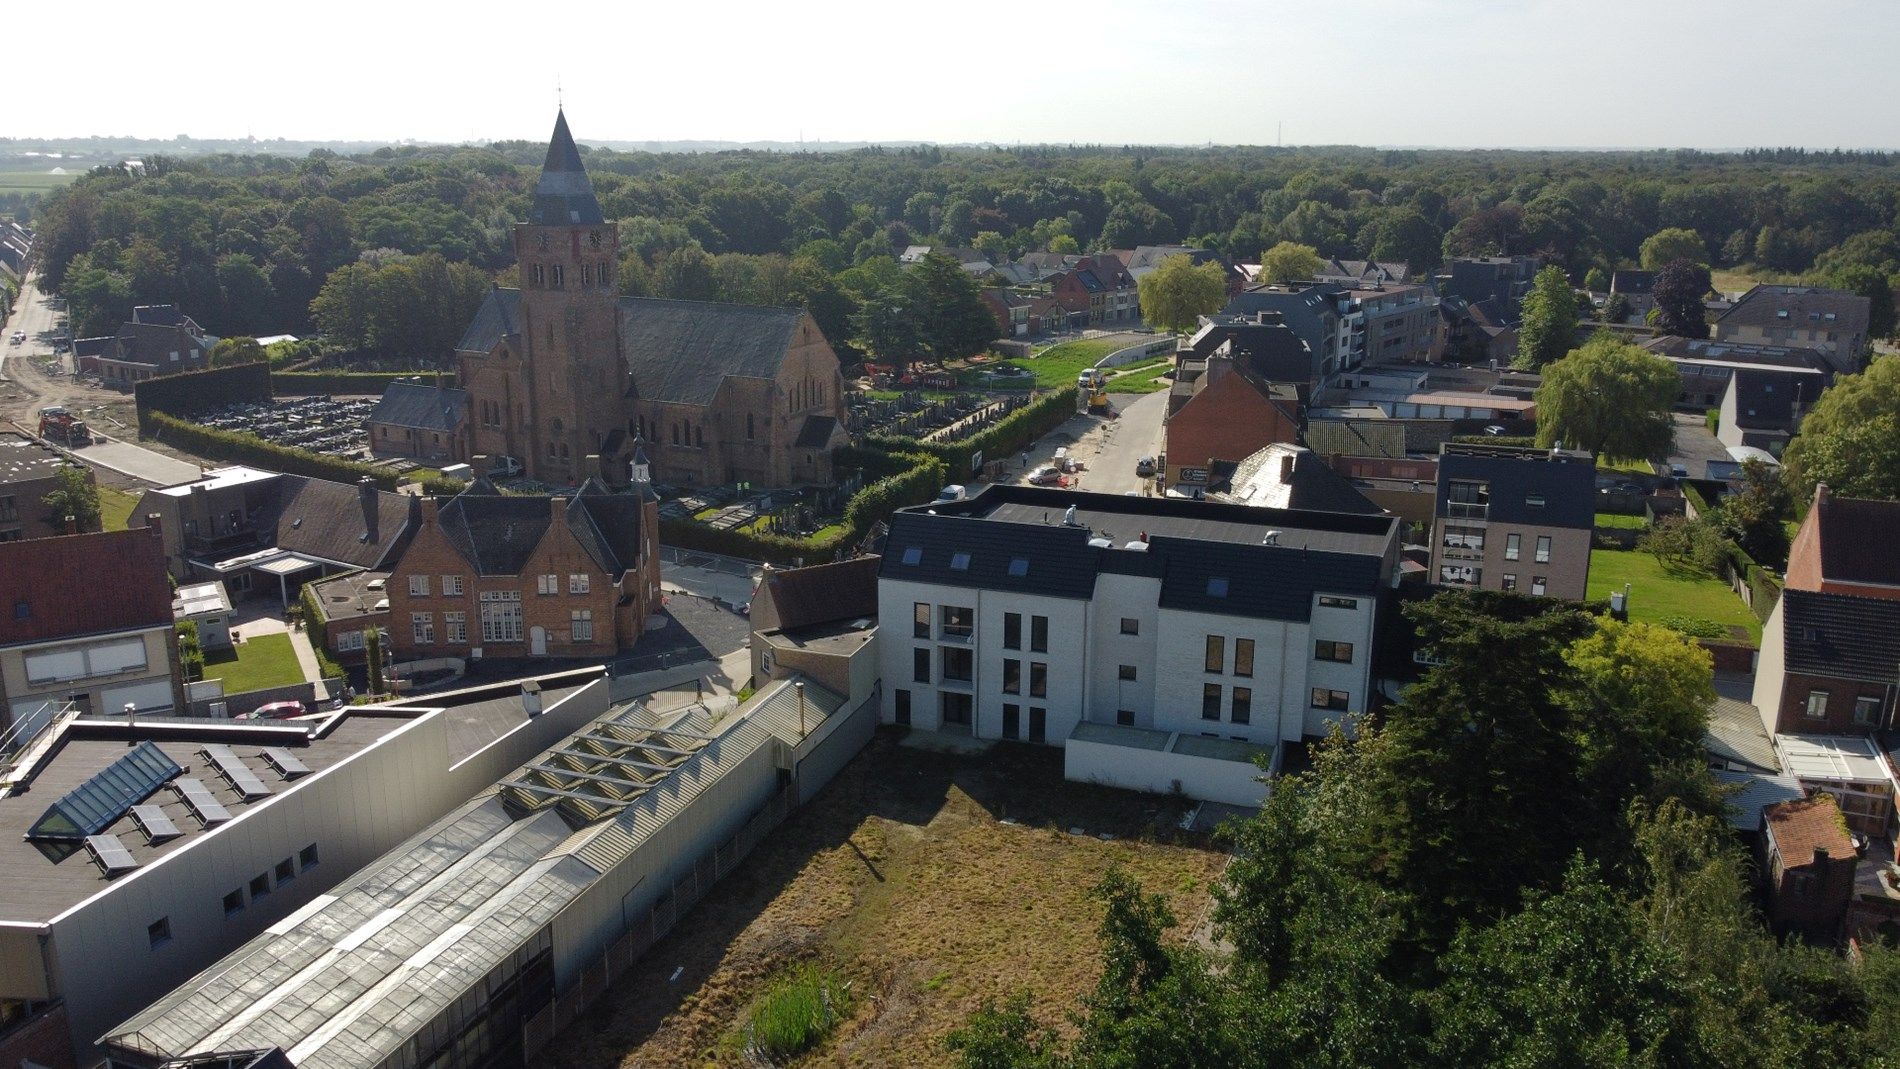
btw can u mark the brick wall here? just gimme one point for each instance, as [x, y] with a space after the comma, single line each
[1811, 896]
[43, 1041]
[1841, 694]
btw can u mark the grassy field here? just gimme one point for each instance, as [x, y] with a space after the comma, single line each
[1629, 464]
[1658, 592]
[1618, 519]
[1058, 365]
[1141, 378]
[903, 878]
[260, 662]
[34, 181]
[115, 508]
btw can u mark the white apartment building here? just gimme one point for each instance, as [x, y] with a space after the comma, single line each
[1156, 633]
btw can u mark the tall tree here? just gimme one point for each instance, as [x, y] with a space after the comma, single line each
[1609, 397]
[1176, 293]
[1753, 515]
[75, 496]
[1876, 286]
[1680, 288]
[1850, 439]
[1287, 261]
[953, 322]
[1668, 245]
[1549, 327]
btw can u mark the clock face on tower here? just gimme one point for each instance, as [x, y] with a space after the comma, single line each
[593, 238]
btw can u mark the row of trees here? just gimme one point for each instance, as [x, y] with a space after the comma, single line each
[1522, 863]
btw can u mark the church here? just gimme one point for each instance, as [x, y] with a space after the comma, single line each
[565, 368]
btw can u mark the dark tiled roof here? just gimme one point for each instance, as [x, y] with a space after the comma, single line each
[1763, 307]
[816, 432]
[682, 350]
[87, 584]
[1568, 487]
[420, 405]
[499, 317]
[607, 525]
[159, 315]
[824, 593]
[1356, 438]
[495, 534]
[563, 196]
[1856, 538]
[1061, 562]
[1637, 282]
[1841, 635]
[1277, 582]
[1765, 400]
[95, 346]
[326, 519]
[147, 343]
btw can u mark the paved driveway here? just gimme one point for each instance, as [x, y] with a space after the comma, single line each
[1695, 446]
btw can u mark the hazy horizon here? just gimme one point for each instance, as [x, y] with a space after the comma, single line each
[1450, 74]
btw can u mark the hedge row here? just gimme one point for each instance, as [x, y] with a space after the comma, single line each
[1523, 441]
[916, 484]
[313, 618]
[311, 383]
[201, 391]
[1004, 438]
[239, 447]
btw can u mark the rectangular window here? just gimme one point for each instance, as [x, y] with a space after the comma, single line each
[1537, 585]
[418, 586]
[9, 509]
[455, 626]
[1039, 634]
[547, 584]
[1330, 699]
[1210, 701]
[1513, 546]
[958, 664]
[1038, 679]
[920, 619]
[958, 622]
[1012, 630]
[920, 665]
[1510, 580]
[1535, 501]
[286, 872]
[1243, 657]
[1866, 710]
[422, 627]
[578, 582]
[501, 615]
[1215, 659]
[1543, 549]
[1038, 724]
[1817, 704]
[1131, 626]
[1012, 676]
[1012, 721]
[901, 707]
[1242, 705]
[159, 932]
[580, 625]
[1127, 673]
[260, 885]
[451, 586]
[1327, 602]
[307, 857]
[1340, 652]
[1125, 717]
[234, 902]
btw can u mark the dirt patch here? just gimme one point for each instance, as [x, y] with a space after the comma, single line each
[931, 881]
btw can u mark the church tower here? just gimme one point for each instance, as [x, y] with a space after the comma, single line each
[570, 319]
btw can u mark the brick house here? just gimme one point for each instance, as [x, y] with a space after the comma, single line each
[1841, 547]
[1231, 415]
[419, 419]
[158, 340]
[1100, 287]
[29, 470]
[528, 576]
[565, 368]
[1808, 860]
[1831, 321]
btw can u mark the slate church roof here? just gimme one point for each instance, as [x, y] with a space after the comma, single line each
[563, 196]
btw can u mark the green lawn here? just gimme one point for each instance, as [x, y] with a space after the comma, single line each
[1658, 592]
[1141, 378]
[115, 508]
[260, 662]
[1618, 519]
[1057, 365]
[1630, 464]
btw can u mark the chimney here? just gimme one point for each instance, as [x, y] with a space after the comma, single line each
[479, 462]
[427, 519]
[372, 520]
[155, 521]
[1820, 853]
[1820, 494]
[1286, 470]
[531, 698]
[557, 510]
[72, 525]
[800, 688]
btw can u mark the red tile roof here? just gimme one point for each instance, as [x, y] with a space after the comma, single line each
[88, 584]
[1800, 828]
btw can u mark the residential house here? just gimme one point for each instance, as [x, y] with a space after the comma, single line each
[1402, 324]
[1229, 413]
[1763, 408]
[1707, 365]
[1831, 321]
[420, 419]
[1364, 274]
[1145, 258]
[1323, 315]
[563, 368]
[16, 244]
[158, 340]
[1406, 487]
[1100, 288]
[1842, 547]
[87, 622]
[489, 575]
[1162, 642]
[264, 533]
[1010, 308]
[1263, 342]
[1504, 279]
[1512, 518]
[348, 607]
[820, 622]
[1286, 476]
[1636, 287]
[1808, 861]
[29, 470]
[974, 261]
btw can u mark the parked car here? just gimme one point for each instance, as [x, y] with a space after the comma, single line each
[504, 465]
[1679, 471]
[274, 711]
[1145, 467]
[953, 492]
[1046, 475]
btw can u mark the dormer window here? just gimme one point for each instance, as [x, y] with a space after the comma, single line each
[913, 555]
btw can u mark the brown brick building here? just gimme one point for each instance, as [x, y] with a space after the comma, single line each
[28, 472]
[564, 367]
[519, 576]
[1230, 415]
[1808, 860]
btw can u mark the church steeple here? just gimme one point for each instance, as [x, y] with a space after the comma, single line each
[564, 196]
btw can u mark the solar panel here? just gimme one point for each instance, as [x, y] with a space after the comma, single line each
[94, 805]
[110, 855]
[155, 824]
[235, 772]
[203, 804]
[285, 762]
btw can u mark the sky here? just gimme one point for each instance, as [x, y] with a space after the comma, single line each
[1454, 73]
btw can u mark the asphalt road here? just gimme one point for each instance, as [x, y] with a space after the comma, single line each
[1134, 434]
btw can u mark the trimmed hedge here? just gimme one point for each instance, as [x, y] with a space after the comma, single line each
[1002, 439]
[193, 392]
[916, 484]
[238, 447]
[313, 383]
[313, 628]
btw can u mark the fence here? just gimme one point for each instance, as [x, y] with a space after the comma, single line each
[1136, 353]
[248, 701]
[653, 925]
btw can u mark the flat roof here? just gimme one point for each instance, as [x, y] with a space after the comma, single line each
[1219, 749]
[840, 637]
[1832, 758]
[24, 459]
[218, 479]
[196, 599]
[1120, 735]
[349, 597]
[1122, 519]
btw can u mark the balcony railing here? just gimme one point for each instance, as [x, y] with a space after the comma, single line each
[1467, 510]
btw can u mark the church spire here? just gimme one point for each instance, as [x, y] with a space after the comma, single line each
[563, 196]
